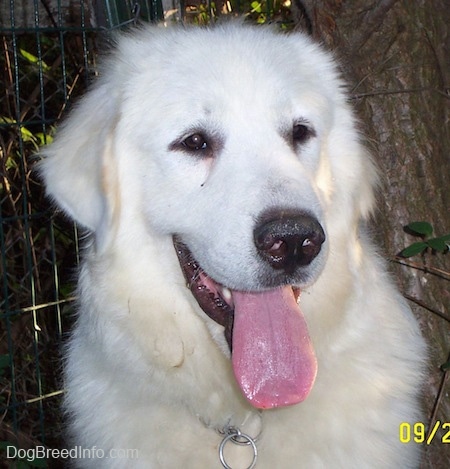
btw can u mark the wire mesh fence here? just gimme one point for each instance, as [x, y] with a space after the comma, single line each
[46, 61]
[49, 51]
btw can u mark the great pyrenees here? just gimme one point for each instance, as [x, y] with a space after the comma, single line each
[232, 310]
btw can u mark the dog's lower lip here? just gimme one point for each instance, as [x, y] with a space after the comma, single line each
[214, 299]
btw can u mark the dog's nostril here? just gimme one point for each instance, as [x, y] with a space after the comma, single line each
[289, 241]
[278, 249]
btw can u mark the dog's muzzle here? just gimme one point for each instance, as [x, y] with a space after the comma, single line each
[271, 352]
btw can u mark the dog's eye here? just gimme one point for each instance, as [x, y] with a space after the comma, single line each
[195, 142]
[301, 133]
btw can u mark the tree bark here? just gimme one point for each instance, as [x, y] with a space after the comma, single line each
[396, 61]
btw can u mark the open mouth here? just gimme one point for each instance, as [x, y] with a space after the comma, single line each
[215, 300]
[271, 352]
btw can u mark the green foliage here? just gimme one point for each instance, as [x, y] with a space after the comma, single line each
[425, 231]
[37, 139]
[257, 11]
[33, 60]
[420, 228]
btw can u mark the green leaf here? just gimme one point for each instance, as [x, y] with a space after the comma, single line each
[440, 244]
[421, 228]
[446, 366]
[27, 135]
[30, 57]
[44, 139]
[7, 120]
[446, 238]
[10, 163]
[256, 7]
[414, 249]
[34, 60]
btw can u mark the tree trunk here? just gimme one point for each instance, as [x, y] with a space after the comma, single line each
[396, 61]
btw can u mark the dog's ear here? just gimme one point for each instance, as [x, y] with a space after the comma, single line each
[79, 168]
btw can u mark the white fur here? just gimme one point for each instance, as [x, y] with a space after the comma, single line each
[146, 368]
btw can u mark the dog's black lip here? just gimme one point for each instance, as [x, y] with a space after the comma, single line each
[211, 303]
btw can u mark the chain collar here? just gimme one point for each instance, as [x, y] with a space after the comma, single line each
[234, 435]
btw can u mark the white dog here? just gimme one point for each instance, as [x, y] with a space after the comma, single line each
[232, 311]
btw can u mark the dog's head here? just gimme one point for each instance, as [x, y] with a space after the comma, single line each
[236, 142]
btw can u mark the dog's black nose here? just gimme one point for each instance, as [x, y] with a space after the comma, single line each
[288, 240]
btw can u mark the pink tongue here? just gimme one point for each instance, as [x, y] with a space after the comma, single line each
[273, 358]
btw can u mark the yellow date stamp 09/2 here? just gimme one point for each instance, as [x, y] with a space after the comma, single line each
[417, 433]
